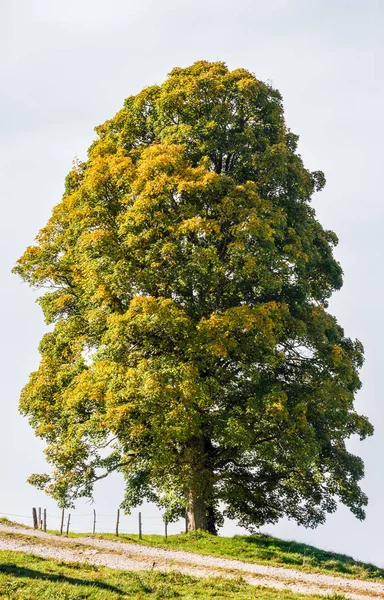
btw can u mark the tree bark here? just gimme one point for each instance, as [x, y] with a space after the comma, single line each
[196, 512]
[199, 515]
[200, 511]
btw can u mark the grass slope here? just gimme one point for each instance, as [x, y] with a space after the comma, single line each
[262, 549]
[28, 577]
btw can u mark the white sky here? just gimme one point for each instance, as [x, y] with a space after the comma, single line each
[67, 65]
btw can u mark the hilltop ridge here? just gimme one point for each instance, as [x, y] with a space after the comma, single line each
[184, 573]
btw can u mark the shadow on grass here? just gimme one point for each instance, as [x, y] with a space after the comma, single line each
[17, 571]
[294, 553]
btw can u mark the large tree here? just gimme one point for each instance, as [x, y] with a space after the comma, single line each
[187, 279]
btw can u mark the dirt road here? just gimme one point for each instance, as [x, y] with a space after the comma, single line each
[135, 557]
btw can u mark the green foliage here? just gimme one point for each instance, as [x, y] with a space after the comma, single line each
[188, 281]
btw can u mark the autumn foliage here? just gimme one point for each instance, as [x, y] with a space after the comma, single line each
[187, 279]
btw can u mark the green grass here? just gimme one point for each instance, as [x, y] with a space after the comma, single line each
[28, 577]
[5, 521]
[262, 549]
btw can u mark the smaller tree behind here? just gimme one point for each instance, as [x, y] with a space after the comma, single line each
[188, 281]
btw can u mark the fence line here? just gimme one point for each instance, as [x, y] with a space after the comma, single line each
[93, 523]
[13, 515]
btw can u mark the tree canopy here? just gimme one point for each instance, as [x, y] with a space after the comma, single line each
[187, 281]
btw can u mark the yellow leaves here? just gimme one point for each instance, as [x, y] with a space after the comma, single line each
[45, 430]
[200, 226]
[119, 418]
[152, 398]
[153, 387]
[137, 431]
[111, 170]
[254, 218]
[148, 321]
[246, 83]
[92, 238]
[164, 167]
[163, 185]
[63, 300]
[156, 307]
[168, 254]
[237, 247]
[198, 179]
[250, 265]
[300, 415]
[102, 295]
[159, 159]
[276, 406]
[221, 347]
[337, 352]
[340, 360]
[227, 332]
[103, 147]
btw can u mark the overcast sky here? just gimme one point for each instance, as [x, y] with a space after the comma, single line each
[67, 65]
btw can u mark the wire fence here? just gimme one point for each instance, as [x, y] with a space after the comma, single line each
[93, 522]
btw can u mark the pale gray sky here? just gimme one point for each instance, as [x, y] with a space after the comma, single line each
[67, 65]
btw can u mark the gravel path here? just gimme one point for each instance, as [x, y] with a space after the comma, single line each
[135, 557]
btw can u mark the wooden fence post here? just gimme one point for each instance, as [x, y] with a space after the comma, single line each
[68, 522]
[40, 521]
[45, 520]
[94, 522]
[62, 522]
[34, 517]
[117, 521]
[140, 528]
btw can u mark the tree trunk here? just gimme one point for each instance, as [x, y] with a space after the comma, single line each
[200, 516]
[196, 512]
[200, 511]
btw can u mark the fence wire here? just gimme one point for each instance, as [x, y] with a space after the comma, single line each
[104, 523]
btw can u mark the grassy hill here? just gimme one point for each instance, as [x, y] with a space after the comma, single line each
[262, 549]
[28, 577]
